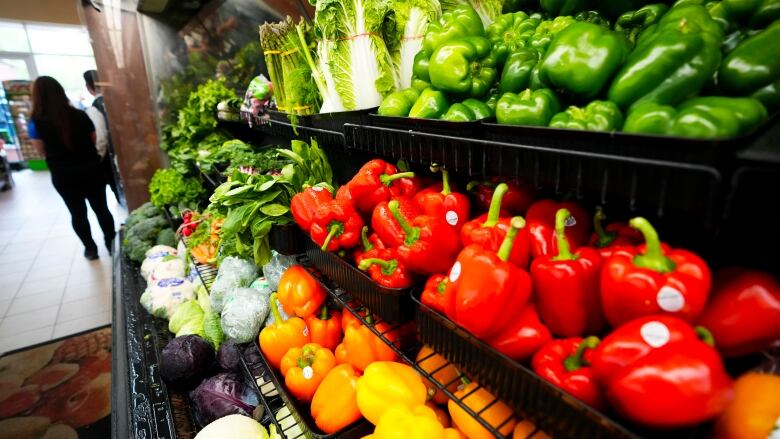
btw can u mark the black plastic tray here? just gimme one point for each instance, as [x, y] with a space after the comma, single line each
[302, 414]
[450, 128]
[392, 304]
[287, 239]
[550, 408]
[278, 116]
[711, 152]
[335, 121]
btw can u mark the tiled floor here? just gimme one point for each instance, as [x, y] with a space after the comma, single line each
[47, 288]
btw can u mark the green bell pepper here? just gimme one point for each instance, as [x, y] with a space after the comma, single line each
[672, 60]
[708, 117]
[596, 116]
[633, 23]
[615, 9]
[431, 104]
[480, 109]
[459, 113]
[547, 30]
[420, 66]
[510, 32]
[527, 108]
[563, 7]
[717, 11]
[516, 75]
[594, 17]
[492, 101]
[754, 13]
[753, 68]
[465, 66]
[458, 22]
[582, 58]
[399, 103]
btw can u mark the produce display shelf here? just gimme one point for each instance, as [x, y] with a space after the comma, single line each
[286, 129]
[402, 339]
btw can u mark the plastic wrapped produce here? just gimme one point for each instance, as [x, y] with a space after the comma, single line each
[169, 267]
[223, 284]
[245, 270]
[154, 256]
[164, 296]
[269, 320]
[243, 312]
[261, 284]
[274, 269]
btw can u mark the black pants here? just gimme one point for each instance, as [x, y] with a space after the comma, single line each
[108, 172]
[76, 186]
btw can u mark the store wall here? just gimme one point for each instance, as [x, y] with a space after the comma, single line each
[47, 11]
[116, 41]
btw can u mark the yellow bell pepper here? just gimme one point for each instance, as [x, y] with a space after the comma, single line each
[418, 422]
[385, 384]
[755, 410]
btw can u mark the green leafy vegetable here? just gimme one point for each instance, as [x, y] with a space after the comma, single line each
[170, 188]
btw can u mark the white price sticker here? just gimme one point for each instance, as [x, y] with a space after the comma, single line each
[305, 331]
[308, 372]
[570, 221]
[670, 299]
[452, 217]
[655, 334]
[455, 271]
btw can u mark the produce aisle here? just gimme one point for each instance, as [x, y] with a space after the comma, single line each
[527, 225]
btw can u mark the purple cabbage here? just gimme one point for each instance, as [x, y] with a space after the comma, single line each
[229, 356]
[221, 395]
[186, 360]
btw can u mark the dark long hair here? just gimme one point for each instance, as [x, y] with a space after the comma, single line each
[51, 105]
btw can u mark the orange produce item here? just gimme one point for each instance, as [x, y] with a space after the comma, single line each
[334, 405]
[325, 327]
[299, 293]
[305, 368]
[278, 338]
[441, 414]
[525, 428]
[430, 361]
[755, 410]
[362, 347]
[477, 400]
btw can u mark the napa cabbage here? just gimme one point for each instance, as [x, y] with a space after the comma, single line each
[404, 29]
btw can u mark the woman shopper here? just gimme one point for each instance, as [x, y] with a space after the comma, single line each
[66, 137]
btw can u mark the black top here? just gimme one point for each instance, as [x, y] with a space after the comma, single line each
[80, 153]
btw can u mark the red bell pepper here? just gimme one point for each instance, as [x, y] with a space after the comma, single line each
[541, 226]
[518, 198]
[385, 269]
[487, 288]
[371, 185]
[449, 206]
[566, 364]
[430, 244]
[616, 235]
[657, 372]
[369, 243]
[656, 281]
[524, 335]
[304, 205]
[433, 294]
[386, 226]
[489, 230]
[744, 312]
[336, 226]
[567, 286]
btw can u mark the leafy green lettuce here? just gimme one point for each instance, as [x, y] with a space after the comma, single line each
[404, 29]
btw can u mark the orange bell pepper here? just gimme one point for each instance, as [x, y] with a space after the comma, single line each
[417, 422]
[299, 293]
[441, 370]
[385, 384]
[278, 338]
[755, 410]
[362, 347]
[325, 327]
[334, 405]
[478, 400]
[305, 368]
[525, 428]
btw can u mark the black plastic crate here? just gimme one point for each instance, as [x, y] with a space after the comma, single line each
[434, 126]
[710, 152]
[287, 239]
[335, 121]
[550, 408]
[392, 304]
[302, 414]
[278, 116]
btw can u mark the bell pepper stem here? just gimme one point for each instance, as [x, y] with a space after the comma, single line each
[412, 233]
[307, 357]
[388, 267]
[334, 230]
[441, 287]
[577, 360]
[509, 240]
[705, 335]
[564, 251]
[364, 239]
[653, 257]
[445, 179]
[275, 309]
[494, 213]
[604, 238]
[387, 179]
[324, 314]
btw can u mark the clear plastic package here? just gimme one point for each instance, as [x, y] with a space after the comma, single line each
[274, 269]
[243, 311]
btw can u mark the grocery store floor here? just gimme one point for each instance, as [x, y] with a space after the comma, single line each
[47, 288]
